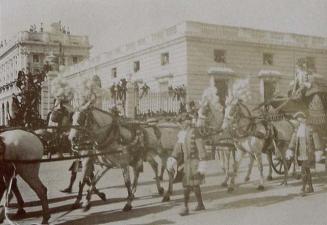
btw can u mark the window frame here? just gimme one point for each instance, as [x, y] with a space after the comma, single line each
[266, 62]
[164, 58]
[114, 72]
[222, 57]
[36, 58]
[136, 66]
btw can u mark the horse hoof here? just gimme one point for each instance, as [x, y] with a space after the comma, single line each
[230, 189]
[261, 188]
[87, 207]
[246, 179]
[224, 184]
[269, 178]
[45, 219]
[166, 198]
[67, 191]
[2, 214]
[76, 205]
[20, 212]
[103, 196]
[161, 191]
[127, 207]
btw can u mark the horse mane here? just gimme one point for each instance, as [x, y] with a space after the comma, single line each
[102, 116]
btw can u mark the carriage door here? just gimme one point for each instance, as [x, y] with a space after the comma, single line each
[222, 90]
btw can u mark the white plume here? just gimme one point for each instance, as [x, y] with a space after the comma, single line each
[241, 90]
[61, 90]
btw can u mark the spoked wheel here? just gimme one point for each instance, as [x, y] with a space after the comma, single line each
[277, 162]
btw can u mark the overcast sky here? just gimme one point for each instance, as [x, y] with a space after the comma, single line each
[110, 23]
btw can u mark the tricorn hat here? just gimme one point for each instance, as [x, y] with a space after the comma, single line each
[299, 114]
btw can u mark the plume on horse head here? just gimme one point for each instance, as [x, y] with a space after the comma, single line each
[210, 101]
[61, 90]
[90, 93]
[240, 91]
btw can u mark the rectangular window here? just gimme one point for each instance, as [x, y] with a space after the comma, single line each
[136, 66]
[114, 72]
[164, 58]
[219, 55]
[36, 59]
[268, 59]
[75, 59]
[311, 64]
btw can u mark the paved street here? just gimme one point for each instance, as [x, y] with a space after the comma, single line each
[275, 205]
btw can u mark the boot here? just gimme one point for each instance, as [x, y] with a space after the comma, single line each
[304, 182]
[310, 189]
[198, 195]
[185, 211]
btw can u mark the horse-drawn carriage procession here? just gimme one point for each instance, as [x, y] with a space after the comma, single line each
[290, 129]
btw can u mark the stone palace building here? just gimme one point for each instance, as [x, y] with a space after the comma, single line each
[28, 51]
[190, 53]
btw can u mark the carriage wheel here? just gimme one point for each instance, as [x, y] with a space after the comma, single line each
[277, 162]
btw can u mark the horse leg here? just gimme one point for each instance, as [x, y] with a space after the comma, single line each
[30, 174]
[136, 178]
[154, 166]
[250, 166]
[3, 187]
[285, 170]
[270, 162]
[233, 175]
[169, 192]
[19, 198]
[127, 179]
[258, 157]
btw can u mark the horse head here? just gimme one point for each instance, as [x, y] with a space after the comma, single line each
[92, 120]
[237, 115]
[210, 112]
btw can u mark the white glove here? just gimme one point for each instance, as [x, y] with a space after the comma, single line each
[289, 154]
[319, 155]
[171, 164]
[202, 167]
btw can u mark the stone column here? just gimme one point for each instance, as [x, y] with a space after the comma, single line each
[47, 100]
[131, 100]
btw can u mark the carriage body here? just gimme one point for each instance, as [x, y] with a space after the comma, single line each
[312, 101]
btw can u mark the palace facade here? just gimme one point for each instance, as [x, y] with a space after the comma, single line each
[189, 53]
[28, 51]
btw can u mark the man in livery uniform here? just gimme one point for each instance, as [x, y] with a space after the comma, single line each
[303, 144]
[190, 144]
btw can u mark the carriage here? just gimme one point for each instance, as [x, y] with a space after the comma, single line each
[311, 100]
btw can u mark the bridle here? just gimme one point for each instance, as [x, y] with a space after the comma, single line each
[86, 120]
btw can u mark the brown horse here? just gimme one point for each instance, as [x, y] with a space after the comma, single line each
[110, 135]
[20, 146]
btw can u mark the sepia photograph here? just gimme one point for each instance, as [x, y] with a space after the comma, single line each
[163, 112]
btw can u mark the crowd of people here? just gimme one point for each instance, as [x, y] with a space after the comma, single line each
[178, 92]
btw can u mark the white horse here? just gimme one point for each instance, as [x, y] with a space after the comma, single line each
[112, 135]
[249, 133]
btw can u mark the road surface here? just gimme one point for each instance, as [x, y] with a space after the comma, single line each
[280, 205]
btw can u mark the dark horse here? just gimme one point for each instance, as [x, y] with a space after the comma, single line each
[19, 146]
[111, 137]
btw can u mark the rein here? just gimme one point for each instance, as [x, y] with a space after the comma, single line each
[111, 136]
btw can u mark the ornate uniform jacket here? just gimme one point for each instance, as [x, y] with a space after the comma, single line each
[304, 142]
[190, 145]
